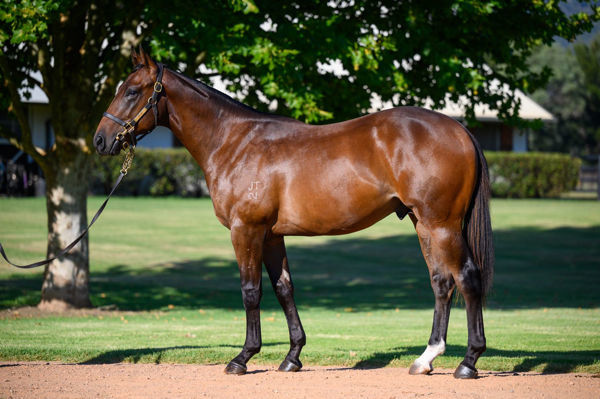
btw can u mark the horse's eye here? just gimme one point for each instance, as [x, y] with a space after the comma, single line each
[131, 93]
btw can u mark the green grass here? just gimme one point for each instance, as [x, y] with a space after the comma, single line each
[364, 299]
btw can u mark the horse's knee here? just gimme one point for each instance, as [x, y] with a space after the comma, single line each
[251, 296]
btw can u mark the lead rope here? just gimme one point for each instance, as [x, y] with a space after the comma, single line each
[126, 165]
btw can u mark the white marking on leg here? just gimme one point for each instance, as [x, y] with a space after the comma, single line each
[285, 276]
[432, 351]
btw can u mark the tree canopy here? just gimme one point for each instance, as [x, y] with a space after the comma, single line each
[404, 51]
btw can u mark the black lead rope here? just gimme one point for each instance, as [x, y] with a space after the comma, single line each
[126, 165]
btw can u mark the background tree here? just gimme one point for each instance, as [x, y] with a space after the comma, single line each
[588, 58]
[270, 53]
[562, 97]
[572, 95]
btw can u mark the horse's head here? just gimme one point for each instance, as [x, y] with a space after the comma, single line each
[129, 116]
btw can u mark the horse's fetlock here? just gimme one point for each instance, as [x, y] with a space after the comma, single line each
[478, 346]
[252, 349]
[298, 339]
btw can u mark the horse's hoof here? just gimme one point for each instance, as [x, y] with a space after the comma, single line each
[464, 372]
[419, 368]
[289, 365]
[235, 368]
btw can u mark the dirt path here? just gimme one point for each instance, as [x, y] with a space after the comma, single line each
[55, 380]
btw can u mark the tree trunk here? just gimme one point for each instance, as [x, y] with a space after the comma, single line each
[66, 278]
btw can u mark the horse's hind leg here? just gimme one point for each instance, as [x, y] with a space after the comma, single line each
[275, 260]
[449, 261]
[468, 279]
[442, 284]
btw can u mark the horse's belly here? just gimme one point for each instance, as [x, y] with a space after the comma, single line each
[333, 217]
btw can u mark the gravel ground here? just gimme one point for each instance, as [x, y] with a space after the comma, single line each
[124, 380]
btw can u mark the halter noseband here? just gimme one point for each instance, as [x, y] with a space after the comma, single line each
[129, 127]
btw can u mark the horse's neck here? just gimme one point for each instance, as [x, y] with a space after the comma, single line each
[203, 124]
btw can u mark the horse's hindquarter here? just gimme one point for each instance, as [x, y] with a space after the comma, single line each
[340, 178]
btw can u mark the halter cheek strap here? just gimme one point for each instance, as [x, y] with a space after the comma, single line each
[129, 127]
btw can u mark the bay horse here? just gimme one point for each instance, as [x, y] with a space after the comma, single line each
[271, 176]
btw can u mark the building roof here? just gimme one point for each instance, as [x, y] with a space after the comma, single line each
[37, 96]
[528, 110]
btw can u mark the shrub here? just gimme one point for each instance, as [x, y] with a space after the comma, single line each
[531, 174]
[156, 172]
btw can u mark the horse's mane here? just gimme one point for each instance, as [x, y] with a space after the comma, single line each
[208, 91]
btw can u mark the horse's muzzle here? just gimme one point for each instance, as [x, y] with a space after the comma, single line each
[104, 146]
[99, 142]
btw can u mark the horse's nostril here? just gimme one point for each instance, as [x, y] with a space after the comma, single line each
[99, 142]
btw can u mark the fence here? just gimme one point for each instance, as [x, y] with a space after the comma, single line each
[589, 175]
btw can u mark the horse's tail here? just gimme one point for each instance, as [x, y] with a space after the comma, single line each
[477, 228]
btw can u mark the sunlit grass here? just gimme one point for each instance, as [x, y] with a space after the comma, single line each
[364, 299]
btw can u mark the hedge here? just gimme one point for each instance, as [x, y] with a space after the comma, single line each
[156, 172]
[173, 171]
[531, 174]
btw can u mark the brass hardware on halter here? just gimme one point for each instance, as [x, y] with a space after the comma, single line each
[158, 87]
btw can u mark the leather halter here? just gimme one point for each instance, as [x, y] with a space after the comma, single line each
[129, 127]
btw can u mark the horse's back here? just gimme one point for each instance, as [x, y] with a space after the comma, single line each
[346, 176]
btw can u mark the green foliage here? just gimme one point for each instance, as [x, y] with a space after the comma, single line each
[572, 95]
[588, 58]
[155, 172]
[406, 53]
[27, 20]
[531, 175]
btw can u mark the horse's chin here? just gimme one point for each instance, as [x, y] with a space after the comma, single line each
[115, 149]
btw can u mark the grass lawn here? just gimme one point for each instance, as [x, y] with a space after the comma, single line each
[364, 299]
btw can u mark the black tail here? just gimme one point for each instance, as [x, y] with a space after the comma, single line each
[477, 228]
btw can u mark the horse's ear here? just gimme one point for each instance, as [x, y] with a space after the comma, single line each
[145, 59]
[135, 57]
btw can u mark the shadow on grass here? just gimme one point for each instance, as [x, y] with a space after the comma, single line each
[551, 361]
[534, 268]
[135, 355]
[548, 361]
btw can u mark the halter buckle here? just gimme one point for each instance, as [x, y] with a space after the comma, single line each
[158, 87]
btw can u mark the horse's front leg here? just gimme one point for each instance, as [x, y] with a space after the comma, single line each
[275, 259]
[248, 245]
